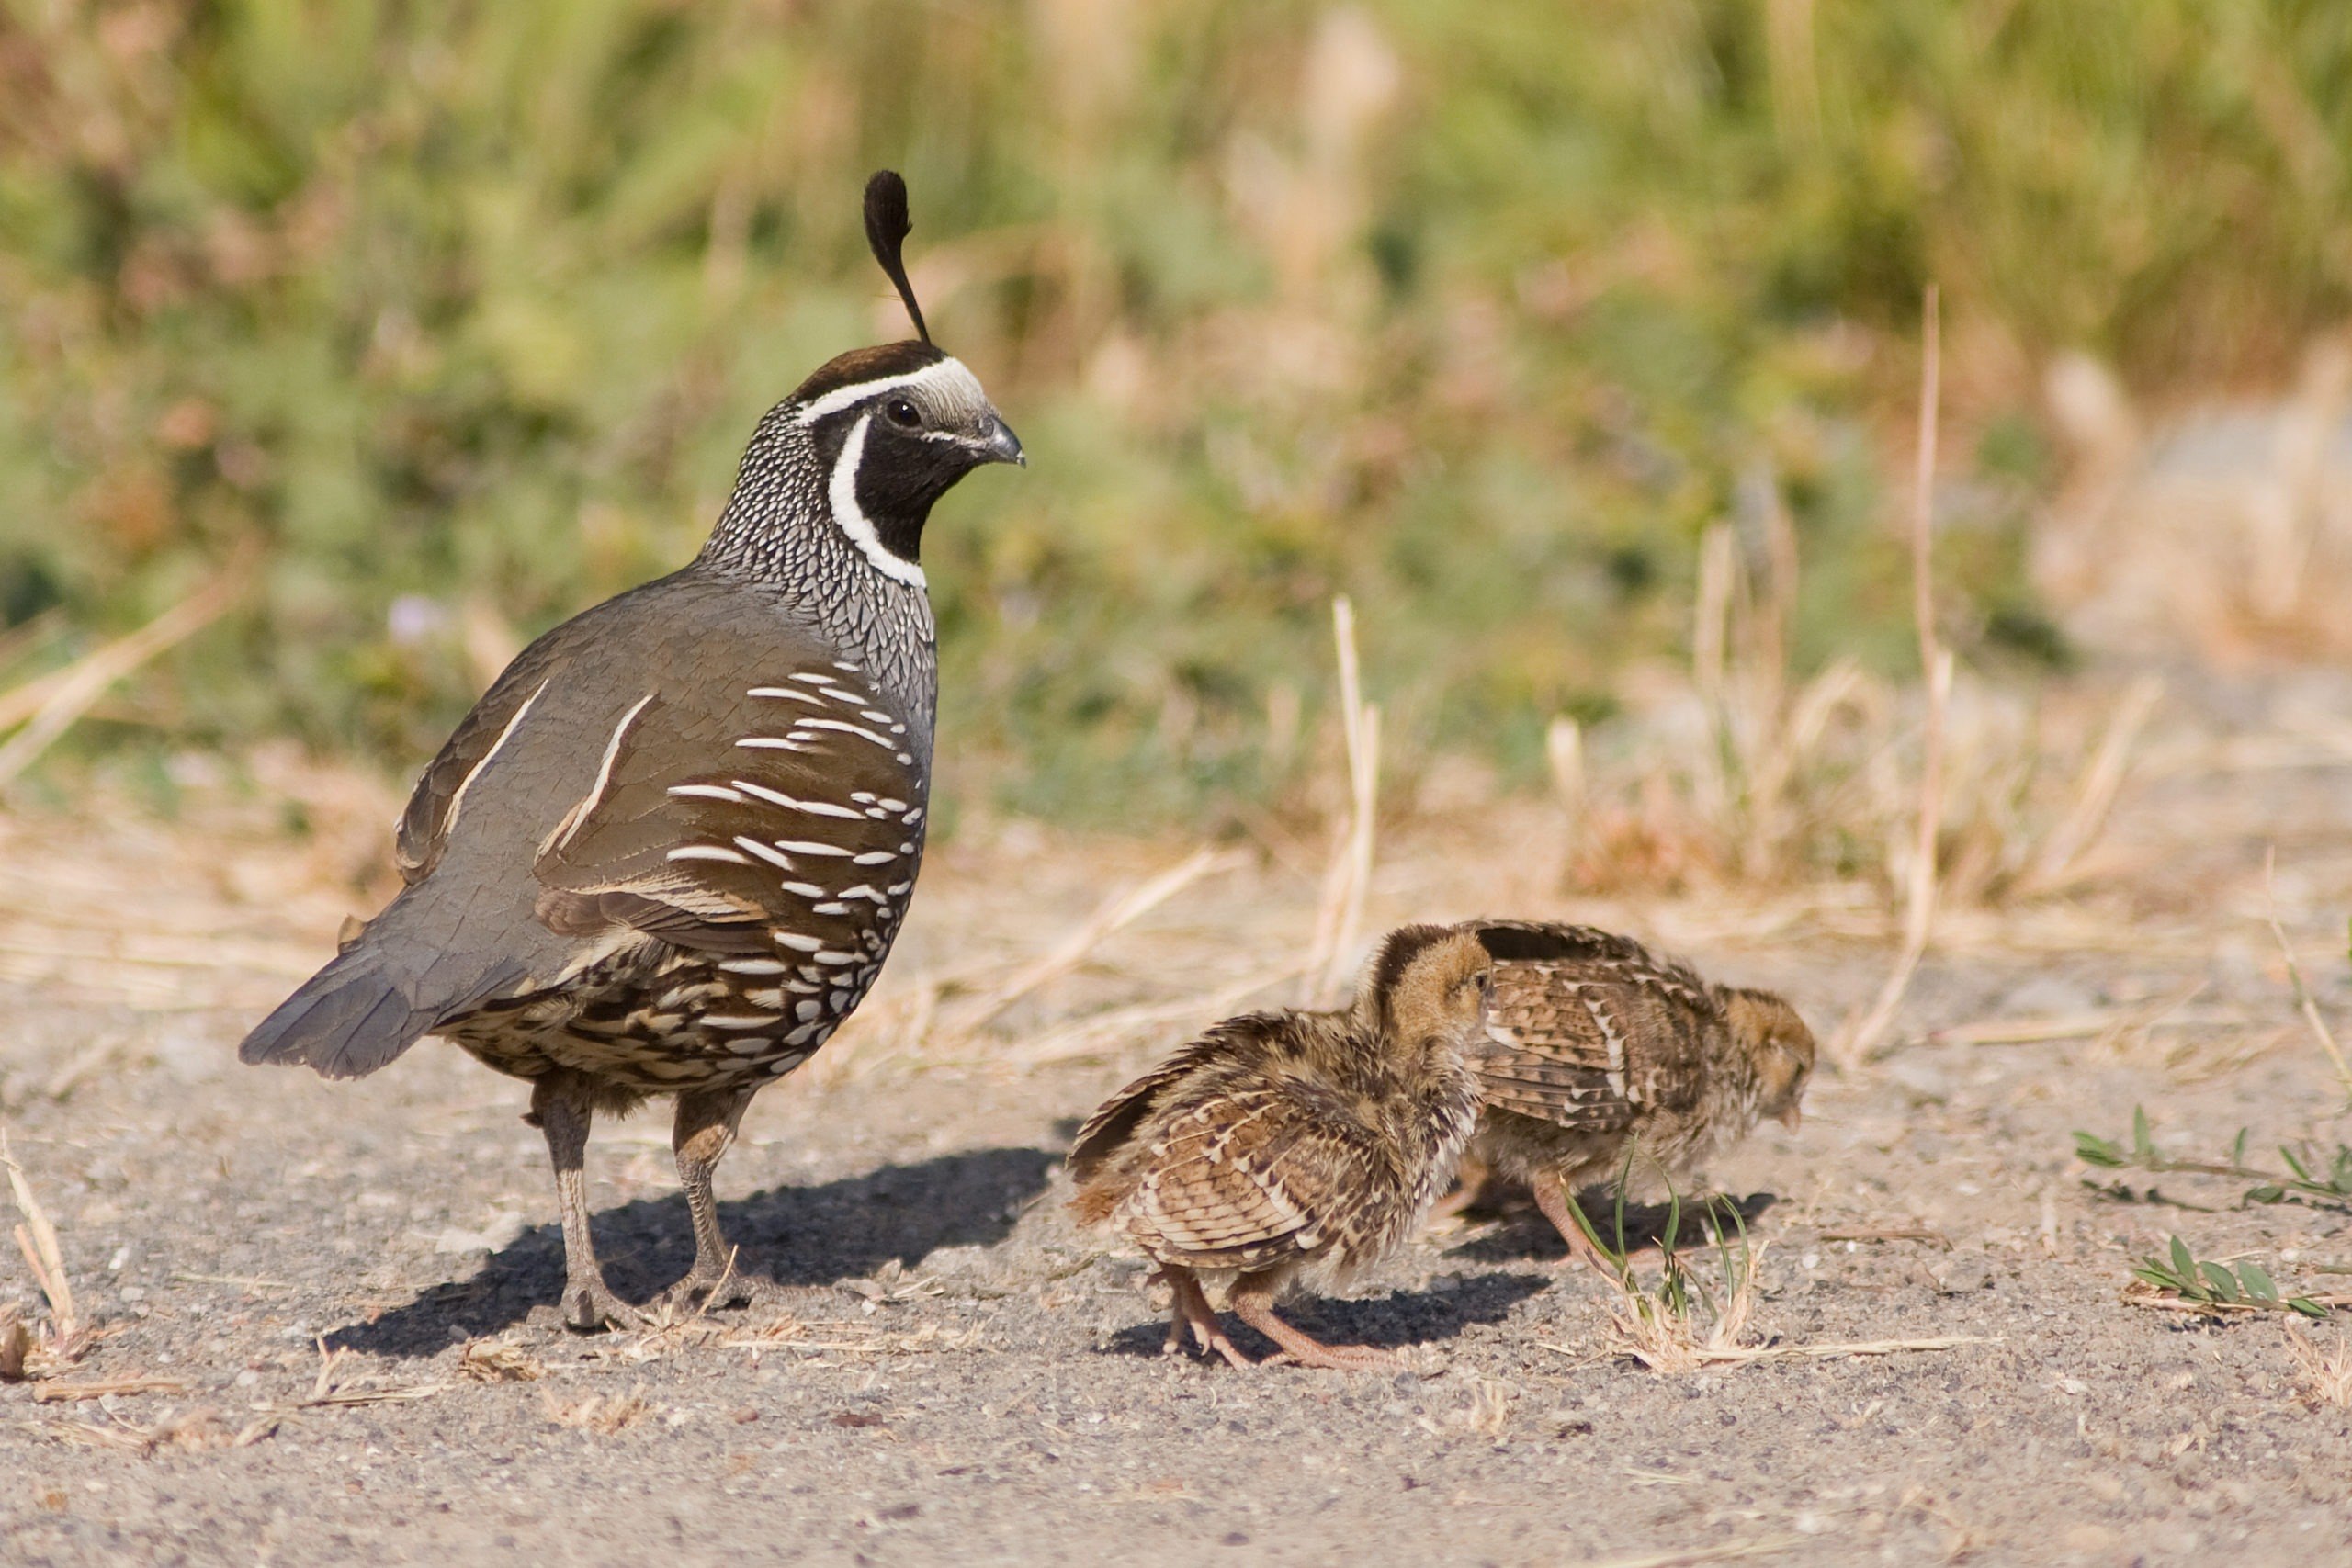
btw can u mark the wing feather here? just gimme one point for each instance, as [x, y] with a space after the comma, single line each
[1588, 1030]
[721, 813]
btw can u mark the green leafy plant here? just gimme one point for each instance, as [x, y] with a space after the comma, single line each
[2207, 1283]
[2310, 1177]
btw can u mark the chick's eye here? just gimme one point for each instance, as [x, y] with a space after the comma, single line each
[901, 413]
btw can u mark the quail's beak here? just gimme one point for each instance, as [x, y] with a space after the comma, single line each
[997, 444]
[1790, 1118]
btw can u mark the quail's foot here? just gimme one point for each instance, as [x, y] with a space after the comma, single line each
[715, 1291]
[1192, 1311]
[1302, 1349]
[1469, 1190]
[590, 1307]
[1551, 1198]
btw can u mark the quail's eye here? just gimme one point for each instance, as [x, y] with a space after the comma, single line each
[901, 413]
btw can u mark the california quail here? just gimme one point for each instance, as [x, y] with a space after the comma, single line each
[667, 852]
[1597, 1049]
[1279, 1142]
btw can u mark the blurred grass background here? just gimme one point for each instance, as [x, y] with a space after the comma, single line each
[458, 315]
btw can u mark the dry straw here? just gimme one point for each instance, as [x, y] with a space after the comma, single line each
[1919, 902]
[49, 706]
[2326, 1372]
[1347, 883]
[65, 1337]
[1114, 914]
[2303, 1002]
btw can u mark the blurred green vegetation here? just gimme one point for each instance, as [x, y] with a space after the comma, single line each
[1480, 313]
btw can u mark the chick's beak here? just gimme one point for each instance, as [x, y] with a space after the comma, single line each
[997, 444]
[1792, 1117]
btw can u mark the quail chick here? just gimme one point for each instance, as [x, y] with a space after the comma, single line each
[1279, 1143]
[1595, 1049]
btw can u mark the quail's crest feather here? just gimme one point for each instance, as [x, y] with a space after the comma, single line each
[887, 224]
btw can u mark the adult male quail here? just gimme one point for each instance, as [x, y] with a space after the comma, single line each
[667, 852]
[1595, 1048]
[1278, 1142]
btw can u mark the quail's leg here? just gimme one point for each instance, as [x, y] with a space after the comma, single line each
[703, 1131]
[1469, 1189]
[1192, 1311]
[1551, 1190]
[1252, 1300]
[560, 1110]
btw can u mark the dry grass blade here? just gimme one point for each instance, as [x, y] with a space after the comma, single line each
[2034, 1031]
[244, 1282]
[196, 1430]
[338, 1398]
[1730, 1551]
[2310, 1009]
[1117, 912]
[1832, 1349]
[85, 1063]
[2327, 1373]
[602, 1413]
[20, 702]
[1088, 1035]
[1563, 752]
[326, 1394]
[1919, 902]
[1710, 613]
[1347, 881]
[37, 1239]
[2091, 1023]
[66, 698]
[2062, 853]
[493, 1361]
[1936, 1239]
[17, 641]
[1487, 1415]
[66, 1392]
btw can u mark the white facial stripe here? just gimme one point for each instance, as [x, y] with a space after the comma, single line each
[948, 370]
[843, 493]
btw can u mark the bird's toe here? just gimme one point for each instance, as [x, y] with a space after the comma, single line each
[714, 1291]
[590, 1308]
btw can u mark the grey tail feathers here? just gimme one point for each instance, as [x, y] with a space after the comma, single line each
[347, 1020]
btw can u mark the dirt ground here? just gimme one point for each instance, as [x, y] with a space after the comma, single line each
[954, 1374]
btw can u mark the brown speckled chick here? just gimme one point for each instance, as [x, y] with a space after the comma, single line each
[1279, 1143]
[1597, 1049]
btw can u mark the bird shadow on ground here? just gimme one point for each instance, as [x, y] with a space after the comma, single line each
[1386, 1323]
[786, 1235]
[1524, 1235]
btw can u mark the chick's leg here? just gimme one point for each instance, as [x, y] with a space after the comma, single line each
[1192, 1311]
[1551, 1197]
[1469, 1189]
[1252, 1300]
[561, 1108]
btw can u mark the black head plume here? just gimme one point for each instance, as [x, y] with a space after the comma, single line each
[887, 225]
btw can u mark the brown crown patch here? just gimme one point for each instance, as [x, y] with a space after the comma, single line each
[861, 365]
